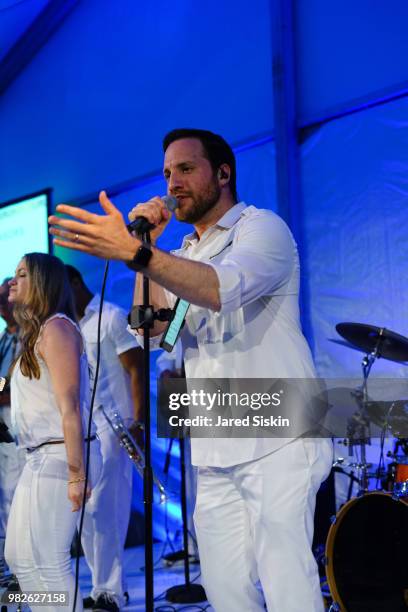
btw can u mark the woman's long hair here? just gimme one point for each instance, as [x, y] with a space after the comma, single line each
[49, 292]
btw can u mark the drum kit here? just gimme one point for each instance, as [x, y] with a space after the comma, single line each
[366, 556]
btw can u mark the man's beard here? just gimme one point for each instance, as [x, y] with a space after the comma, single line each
[202, 203]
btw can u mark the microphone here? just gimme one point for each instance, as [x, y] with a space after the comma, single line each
[141, 225]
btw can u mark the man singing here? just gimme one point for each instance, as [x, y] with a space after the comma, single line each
[239, 270]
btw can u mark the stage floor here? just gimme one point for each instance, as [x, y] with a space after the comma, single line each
[164, 578]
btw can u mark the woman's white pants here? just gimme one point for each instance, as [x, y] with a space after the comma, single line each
[41, 525]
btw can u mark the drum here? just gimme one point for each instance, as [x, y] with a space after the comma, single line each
[397, 477]
[401, 477]
[401, 474]
[366, 554]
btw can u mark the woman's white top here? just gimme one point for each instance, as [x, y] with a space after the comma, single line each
[35, 414]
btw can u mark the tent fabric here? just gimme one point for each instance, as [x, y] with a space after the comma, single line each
[355, 188]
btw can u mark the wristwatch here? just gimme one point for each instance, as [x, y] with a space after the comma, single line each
[141, 258]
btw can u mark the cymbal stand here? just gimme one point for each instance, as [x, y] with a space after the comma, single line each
[358, 431]
[368, 362]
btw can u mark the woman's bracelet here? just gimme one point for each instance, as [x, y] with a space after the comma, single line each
[75, 480]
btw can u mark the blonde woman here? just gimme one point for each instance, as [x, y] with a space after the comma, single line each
[49, 405]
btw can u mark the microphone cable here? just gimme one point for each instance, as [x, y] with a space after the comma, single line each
[88, 434]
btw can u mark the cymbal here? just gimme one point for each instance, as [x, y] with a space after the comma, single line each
[392, 414]
[368, 337]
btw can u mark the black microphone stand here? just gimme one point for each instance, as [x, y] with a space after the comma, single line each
[142, 317]
[188, 592]
[147, 472]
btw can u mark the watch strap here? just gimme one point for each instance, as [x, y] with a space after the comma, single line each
[141, 257]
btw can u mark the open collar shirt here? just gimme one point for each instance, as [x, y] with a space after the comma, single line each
[256, 333]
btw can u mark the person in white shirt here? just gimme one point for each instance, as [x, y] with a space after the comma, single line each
[119, 389]
[11, 458]
[49, 414]
[239, 270]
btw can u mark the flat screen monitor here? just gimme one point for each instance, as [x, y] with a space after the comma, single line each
[23, 229]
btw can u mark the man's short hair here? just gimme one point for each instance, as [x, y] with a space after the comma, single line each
[216, 149]
[74, 274]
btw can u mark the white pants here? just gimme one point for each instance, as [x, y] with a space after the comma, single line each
[107, 518]
[12, 461]
[41, 525]
[254, 522]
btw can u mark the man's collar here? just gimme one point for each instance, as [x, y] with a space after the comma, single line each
[93, 305]
[231, 216]
[226, 222]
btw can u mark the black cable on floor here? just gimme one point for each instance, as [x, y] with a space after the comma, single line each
[88, 445]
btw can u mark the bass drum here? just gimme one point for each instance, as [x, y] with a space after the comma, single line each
[367, 555]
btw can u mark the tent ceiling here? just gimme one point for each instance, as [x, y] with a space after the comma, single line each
[15, 18]
[348, 54]
[25, 26]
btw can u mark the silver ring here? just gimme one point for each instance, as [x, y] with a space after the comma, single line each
[76, 237]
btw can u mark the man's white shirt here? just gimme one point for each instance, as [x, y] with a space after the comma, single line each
[113, 389]
[257, 332]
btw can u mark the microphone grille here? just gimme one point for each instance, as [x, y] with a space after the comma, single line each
[170, 202]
